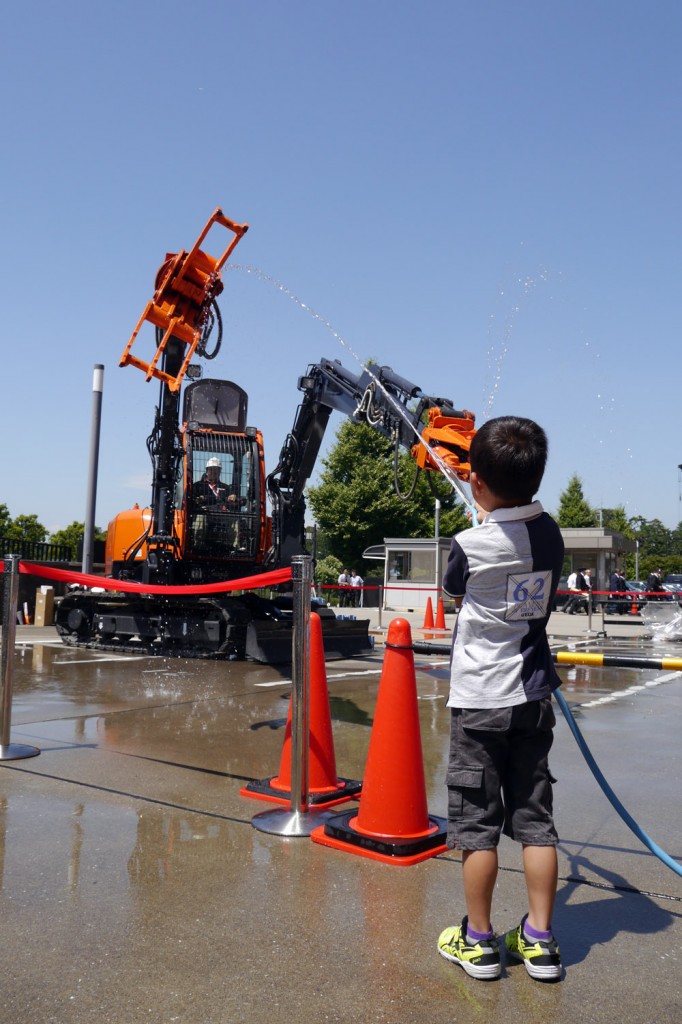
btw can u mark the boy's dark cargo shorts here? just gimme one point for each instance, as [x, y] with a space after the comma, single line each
[498, 776]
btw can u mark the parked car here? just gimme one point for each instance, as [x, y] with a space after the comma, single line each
[633, 587]
[624, 605]
[673, 584]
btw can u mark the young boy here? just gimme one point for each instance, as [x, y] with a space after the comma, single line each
[502, 678]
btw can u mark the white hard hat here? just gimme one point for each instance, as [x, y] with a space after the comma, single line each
[213, 462]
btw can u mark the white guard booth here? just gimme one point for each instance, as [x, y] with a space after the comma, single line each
[413, 572]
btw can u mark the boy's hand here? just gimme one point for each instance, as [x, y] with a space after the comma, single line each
[476, 513]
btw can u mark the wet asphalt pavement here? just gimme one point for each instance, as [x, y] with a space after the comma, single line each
[134, 886]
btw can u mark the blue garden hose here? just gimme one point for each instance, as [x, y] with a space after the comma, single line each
[608, 792]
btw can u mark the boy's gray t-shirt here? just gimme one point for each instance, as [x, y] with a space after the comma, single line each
[508, 570]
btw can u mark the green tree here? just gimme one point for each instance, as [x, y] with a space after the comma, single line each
[676, 539]
[5, 519]
[72, 536]
[355, 504]
[647, 564]
[327, 572]
[24, 529]
[617, 519]
[574, 510]
[655, 539]
[657, 547]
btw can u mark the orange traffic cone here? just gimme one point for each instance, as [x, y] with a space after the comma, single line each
[324, 787]
[393, 823]
[440, 614]
[428, 616]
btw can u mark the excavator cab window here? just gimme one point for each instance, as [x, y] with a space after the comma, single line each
[222, 499]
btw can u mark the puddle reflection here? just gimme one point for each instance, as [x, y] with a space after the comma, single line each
[78, 844]
[591, 681]
[56, 681]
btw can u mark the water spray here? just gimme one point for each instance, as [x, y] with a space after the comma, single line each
[451, 477]
[458, 486]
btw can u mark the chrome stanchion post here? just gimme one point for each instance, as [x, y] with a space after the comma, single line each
[589, 612]
[602, 631]
[298, 820]
[10, 751]
[301, 576]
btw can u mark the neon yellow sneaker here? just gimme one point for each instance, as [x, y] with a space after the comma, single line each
[541, 959]
[480, 960]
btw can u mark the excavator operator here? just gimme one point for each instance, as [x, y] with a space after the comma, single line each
[216, 524]
[210, 489]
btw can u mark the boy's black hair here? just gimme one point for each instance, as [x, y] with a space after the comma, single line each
[509, 453]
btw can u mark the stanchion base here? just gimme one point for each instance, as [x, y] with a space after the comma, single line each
[281, 822]
[15, 751]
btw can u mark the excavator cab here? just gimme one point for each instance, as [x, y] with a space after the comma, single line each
[224, 492]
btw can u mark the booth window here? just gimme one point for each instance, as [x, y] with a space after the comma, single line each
[417, 566]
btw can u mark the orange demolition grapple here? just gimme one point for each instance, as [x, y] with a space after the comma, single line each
[186, 287]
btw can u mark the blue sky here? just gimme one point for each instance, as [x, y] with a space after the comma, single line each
[484, 196]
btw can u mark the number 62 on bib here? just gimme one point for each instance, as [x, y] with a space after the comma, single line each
[528, 595]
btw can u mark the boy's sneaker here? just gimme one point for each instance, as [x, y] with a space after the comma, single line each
[541, 959]
[480, 959]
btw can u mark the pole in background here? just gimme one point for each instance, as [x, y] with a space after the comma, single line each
[10, 599]
[436, 534]
[298, 820]
[89, 533]
[636, 561]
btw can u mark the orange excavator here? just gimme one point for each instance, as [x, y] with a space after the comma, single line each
[208, 518]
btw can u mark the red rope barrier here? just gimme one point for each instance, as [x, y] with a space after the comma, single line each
[621, 593]
[266, 579]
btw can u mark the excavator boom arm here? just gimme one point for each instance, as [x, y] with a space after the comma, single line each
[384, 401]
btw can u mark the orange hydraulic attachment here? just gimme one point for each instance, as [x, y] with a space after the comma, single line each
[450, 438]
[186, 285]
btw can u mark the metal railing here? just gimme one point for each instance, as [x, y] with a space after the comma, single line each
[35, 551]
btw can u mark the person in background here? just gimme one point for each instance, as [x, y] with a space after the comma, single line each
[587, 576]
[578, 601]
[356, 582]
[654, 585]
[618, 587]
[345, 596]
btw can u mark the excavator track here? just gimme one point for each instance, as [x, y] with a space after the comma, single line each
[240, 628]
